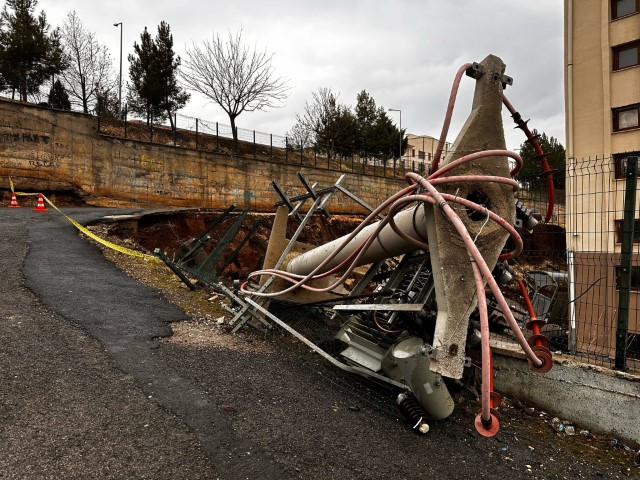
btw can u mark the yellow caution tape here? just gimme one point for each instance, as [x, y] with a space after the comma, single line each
[86, 231]
[106, 243]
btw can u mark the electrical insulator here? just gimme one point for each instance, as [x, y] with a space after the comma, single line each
[525, 217]
[503, 273]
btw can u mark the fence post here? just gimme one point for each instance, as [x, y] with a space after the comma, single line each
[175, 127]
[196, 134]
[126, 111]
[271, 146]
[626, 263]
[301, 152]
[286, 150]
[217, 138]
[99, 115]
[254, 144]
[151, 128]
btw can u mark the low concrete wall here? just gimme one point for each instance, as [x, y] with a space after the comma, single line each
[594, 398]
[44, 149]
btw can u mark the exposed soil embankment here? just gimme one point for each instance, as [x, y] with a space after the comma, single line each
[544, 248]
[171, 232]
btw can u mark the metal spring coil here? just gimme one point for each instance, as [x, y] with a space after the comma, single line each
[412, 411]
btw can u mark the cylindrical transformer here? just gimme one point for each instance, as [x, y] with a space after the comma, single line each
[386, 245]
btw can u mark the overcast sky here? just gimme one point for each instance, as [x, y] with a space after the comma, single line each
[403, 52]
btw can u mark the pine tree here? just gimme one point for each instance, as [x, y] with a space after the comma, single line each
[377, 135]
[58, 97]
[366, 114]
[173, 96]
[154, 91]
[531, 170]
[141, 96]
[107, 105]
[29, 55]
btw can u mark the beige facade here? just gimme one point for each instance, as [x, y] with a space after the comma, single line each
[602, 105]
[420, 150]
[593, 88]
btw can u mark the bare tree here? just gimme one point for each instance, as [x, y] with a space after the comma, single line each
[324, 120]
[234, 76]
[91, 68]
[299, 136]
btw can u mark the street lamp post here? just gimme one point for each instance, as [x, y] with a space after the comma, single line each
[119, 24]
[400, 112]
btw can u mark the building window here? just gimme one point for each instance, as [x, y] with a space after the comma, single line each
[626, 55]
[420, 155]
[620, 163]
[622, 8]
[625, 118]
[636, 231]
[635, 278]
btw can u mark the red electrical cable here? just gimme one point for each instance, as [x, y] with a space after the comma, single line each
[487, 372]
[447, 117]
[527, 300]
[375, 319]
[473, 251]
[548, 174]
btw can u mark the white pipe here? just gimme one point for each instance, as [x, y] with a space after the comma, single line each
[572, 305]
[569, 179]
[387, 244]
[570, 78]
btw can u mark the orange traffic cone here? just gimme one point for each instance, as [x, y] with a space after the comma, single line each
[14, 201]
[40, 206]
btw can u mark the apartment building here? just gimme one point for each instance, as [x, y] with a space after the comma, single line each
[420, 151]
[602, 104]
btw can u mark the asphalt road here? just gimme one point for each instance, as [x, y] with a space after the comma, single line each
[150, 422]
[88, 391]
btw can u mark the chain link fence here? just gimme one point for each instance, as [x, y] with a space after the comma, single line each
[189, 132]
[582, 268]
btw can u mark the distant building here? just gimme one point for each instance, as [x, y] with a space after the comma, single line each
[602, 104]
[420, 151]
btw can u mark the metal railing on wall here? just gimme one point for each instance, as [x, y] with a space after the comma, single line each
[582, 269]
[215, 137]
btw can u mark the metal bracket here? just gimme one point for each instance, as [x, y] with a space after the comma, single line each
[475, 70]
[506, 80]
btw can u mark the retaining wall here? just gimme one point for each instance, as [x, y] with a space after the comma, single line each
[593, 398]
[45, 150]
